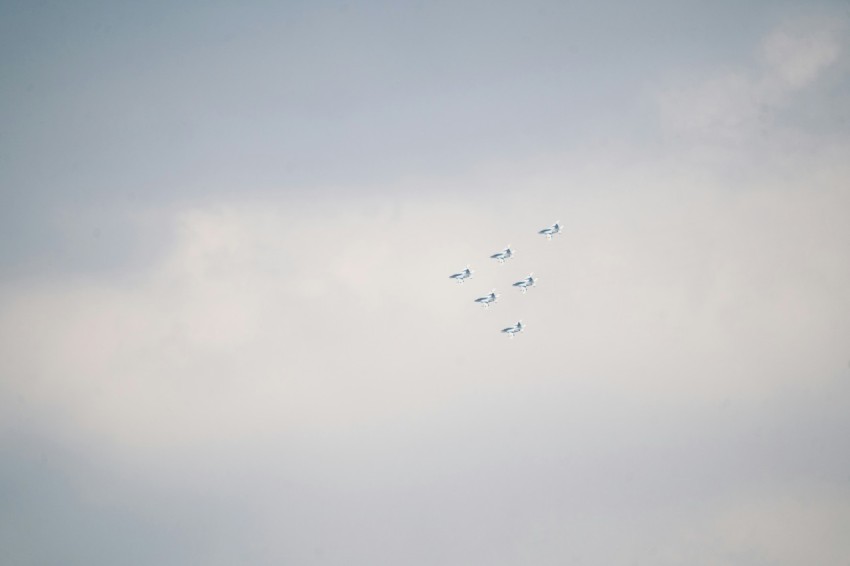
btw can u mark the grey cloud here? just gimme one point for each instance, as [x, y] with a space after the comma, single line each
[125, 106]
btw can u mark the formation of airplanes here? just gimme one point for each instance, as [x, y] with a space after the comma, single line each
[523, 285]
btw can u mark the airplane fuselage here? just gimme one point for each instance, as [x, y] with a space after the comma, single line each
[525, 284]
[503, 255]
[462, 276]
[512, 330]
[551, 231]
[485, 301]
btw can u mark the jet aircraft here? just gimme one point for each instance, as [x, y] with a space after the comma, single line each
[503, 255]
[526, 283]
[487, 299]
[515, 329]
[461, 276]
[551, 230]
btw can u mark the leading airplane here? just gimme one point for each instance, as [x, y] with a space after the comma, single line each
[503, 255]
[515, 329]
[526, 283]
[463, 275]
[551, 230]
[487, 299]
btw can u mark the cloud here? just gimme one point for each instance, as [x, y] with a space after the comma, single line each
[739, 103]
[296, 380]
[799, 54]
[785, 526]
[264, 316]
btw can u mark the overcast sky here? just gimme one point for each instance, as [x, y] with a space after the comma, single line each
[227, 332]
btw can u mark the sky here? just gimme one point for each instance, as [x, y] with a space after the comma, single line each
[227, 331]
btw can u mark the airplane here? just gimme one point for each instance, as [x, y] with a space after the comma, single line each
[503, 255]
[460, 277]
[526, 283]
[515, 329]
[487, 299]
[551, 230]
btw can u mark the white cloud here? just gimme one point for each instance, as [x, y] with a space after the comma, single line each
[266, 317]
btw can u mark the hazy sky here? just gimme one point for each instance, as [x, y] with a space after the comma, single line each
[227, 332]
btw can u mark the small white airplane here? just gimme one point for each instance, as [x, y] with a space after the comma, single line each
[526, 283]
[551, 230]
[487, 299]
[503, 255]
[463, 275]
[515, 329]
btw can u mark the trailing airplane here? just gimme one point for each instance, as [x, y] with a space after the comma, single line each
[503, 255]
[487, 299]
[551, 230]
[462, 276]
[526, 283]
[515, 329]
